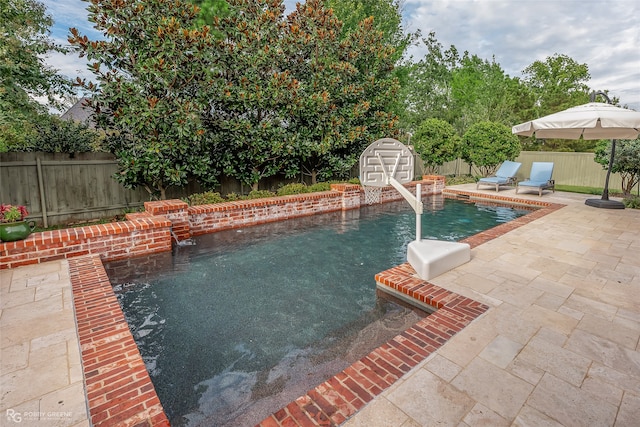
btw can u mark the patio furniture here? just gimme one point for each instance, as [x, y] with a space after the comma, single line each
[540, 178]
[505, 175]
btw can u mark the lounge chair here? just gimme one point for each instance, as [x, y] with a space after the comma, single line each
[540, 178]
[505, 175]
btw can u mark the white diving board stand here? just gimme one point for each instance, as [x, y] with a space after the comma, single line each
[388, 162]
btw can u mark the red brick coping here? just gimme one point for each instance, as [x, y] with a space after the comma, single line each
[120, 391]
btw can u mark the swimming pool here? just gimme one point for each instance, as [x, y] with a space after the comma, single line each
[240, 324]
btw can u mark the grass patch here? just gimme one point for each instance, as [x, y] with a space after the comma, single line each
[586, 190]
[460, 179]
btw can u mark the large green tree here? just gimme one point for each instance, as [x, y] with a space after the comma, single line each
[557, 83]
[481, 91]
[427, 93]
[150, 68]
[251, 92]
[24, 75]
[346, 86]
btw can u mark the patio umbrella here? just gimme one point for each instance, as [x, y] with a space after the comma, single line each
[595, 120]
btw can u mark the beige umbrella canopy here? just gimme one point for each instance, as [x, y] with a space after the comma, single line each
[595, 120]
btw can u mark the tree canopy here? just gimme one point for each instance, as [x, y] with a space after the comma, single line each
[24, 75]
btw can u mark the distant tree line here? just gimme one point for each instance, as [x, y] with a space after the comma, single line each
[210, 88]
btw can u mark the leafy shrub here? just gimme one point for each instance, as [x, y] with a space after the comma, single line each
[206, 198]
[259, 194]
[320, 186]
[62, 136]
[296, 188]
[632, 202]
[232, 197]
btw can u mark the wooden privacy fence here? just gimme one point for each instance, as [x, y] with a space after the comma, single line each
[57, 189]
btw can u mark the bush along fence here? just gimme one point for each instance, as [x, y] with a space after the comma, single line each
[163, 222]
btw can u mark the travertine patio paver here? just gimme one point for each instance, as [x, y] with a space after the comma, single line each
[41, 382]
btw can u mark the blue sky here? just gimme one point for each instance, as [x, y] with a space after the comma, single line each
[603, 34]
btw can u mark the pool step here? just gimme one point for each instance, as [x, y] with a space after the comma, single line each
[431, 258]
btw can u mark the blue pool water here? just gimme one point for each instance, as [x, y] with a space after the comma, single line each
[245, 321]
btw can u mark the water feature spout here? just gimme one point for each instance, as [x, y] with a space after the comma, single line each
[185, 242]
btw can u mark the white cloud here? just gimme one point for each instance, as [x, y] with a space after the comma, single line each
[604, 34]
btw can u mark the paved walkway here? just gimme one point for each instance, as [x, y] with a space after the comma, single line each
[560, 345]
[41, 380]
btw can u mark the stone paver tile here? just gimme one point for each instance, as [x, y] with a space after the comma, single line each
[542, 317]
[549, 357]
[580, 278]
[569, 405]
[552, 286]
[44, 324]
[482, 284]
[44, 280]
[380, 413]
[515, 294]
[431, 401]
[554, 337]
[495, 388]
[42, 379]
[443, 367]
[521, 275]
[607, 391]
[508, 320]
[630, 314]
[530, 417]
[528, 372]
[578, 315]
[69, 402]
[14, 357]
[551, 269]
[61, 408]
[37, 310]
[616, 378]
[469, 342]
[605, 352]
[629, 413]
[550, 301]
[619, 334]
[480, 415]
[17, 298]
[501, 351]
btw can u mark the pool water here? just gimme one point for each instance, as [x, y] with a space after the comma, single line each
[245, 321]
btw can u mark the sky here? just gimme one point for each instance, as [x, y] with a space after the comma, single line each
[603, 34]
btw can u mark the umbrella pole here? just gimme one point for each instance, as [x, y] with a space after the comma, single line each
[605, 192]
[604, 202]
